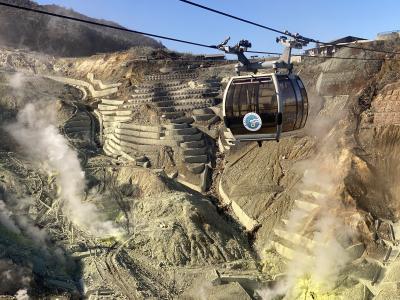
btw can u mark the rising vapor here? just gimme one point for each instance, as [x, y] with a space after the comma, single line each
[317, 265]
[40, 139]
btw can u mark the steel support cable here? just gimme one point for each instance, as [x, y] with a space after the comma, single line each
[283, 32]
[331, 57]
[159, 36]
[237, 18]
[113, 27]
[105, 25]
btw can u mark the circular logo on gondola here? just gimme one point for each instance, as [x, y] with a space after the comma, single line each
[252, 121]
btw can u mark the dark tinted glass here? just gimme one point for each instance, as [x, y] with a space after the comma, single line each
[288, 97]
[246, 95]
[300, 102]
[305, 102]
[267, 98]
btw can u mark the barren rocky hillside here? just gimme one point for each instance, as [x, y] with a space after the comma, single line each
[116, 182]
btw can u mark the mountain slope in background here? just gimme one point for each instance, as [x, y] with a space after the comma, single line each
[55, 36]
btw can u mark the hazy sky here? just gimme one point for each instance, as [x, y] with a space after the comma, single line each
[320, 19]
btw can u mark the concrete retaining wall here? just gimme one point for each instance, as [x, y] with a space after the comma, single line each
[196, 168]
[182, 120]
[83, 91]
[100, 84]
[123, 139]
[175, 126]
[146, 141]
[118, 112]
[103, 107]
[202, 186]
[196, 159]
[87, 85]
[175, 94]
[183, 108]
[115, 102]
[140, 127]
[249, 223]
[195, 151]
[202, 118]
[193, 144]
[170, 77]
[188, 138]
[146, 89]
[136, 133]
[172, 115]
[183, 131]
[192, 101]
[130, 146]
[117, 118]
[163, 85]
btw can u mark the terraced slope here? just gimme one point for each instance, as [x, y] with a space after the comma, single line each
[168, 141]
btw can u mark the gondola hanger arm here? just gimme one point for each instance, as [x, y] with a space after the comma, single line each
[283, 63]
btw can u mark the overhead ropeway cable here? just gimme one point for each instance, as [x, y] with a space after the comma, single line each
[330, 57]
[237, 18]
[104, 25]
[164, 37]
[287, 33]
[113, 27]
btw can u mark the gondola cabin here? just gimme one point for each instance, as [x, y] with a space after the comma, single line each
[264, 107]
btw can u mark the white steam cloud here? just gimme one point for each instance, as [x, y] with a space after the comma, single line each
[18, 222]
[323, 232]
[318, 260]
[17, 81]
[40, 139]
[22, 295]
[6, 218]
[327, 258]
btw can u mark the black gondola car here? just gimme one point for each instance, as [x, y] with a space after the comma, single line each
[264, 107]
